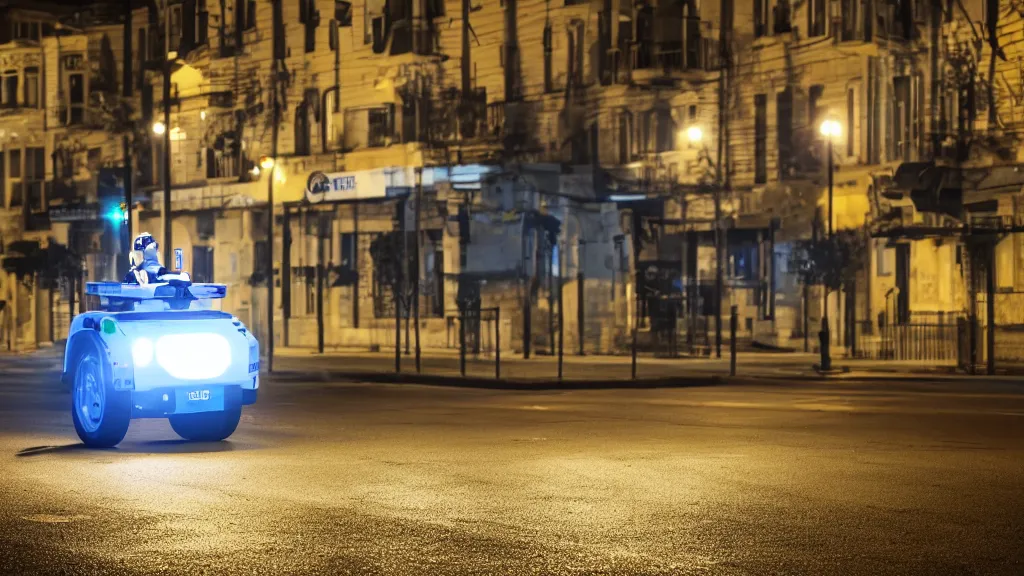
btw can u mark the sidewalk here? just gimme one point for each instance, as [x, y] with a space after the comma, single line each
[442, 367]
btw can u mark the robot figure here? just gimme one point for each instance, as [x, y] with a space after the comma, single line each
[145, 261]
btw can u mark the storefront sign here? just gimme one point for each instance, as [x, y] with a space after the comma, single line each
[75, 213]
[361, 185]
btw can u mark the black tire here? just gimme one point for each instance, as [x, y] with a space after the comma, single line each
[100, 413]
[206, 426]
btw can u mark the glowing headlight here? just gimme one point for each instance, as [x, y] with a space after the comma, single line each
[193, 356]
[142, 352]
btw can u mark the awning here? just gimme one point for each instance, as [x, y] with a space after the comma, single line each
[950, 190]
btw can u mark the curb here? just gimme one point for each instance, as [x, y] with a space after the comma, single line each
[503, 384]
[695, 381]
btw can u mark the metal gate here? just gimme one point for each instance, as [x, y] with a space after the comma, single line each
[927, 337]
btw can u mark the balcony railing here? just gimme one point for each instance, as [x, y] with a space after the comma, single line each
[670, 57]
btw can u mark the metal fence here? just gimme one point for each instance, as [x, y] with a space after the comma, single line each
[933, 337]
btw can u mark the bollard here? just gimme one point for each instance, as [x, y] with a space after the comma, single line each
[462, 343]
[634, 353]
[497, 343]
[732, 342]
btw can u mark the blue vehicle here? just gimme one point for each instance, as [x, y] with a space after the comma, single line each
[158, 350]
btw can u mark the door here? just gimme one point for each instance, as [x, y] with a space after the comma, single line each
[902, 312]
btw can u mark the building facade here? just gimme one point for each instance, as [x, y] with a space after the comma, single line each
[603, 154]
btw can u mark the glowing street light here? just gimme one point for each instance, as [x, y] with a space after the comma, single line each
[831, 129]
[159, 128]
[694, 134]
[266, 162]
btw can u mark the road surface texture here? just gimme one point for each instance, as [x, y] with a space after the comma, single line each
[349, 478]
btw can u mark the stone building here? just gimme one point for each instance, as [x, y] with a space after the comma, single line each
[575, 144]
[61, 105]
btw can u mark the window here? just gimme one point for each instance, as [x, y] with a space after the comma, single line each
[76, 99]
[781, 16]
[848, 30]
[576, 51]
[381, 128]
[175, 23]
[280, 50]
[665, 131]
[784, 123]
[202, 264]
[140, 54]
[549, 85]
[17, 197]
[349, 244]
[643, 138]
[310, 17]
[31, 87]
[743, 260]
[433, 276]
[343, 13]
[814, 106]
[435, 8]
[250, 15]
[305, 118]
[902, 118]
[760, 18]
[9, 89]
[25, 31]
[883, 259]
[202, 23]
[691, 120]
[35, 177]
[625, 137]
[760, 139]
[816, 18]
[851, 123]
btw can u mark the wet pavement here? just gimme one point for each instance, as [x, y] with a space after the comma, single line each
[349, 478]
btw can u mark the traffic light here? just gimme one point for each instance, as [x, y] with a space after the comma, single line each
[118, 214]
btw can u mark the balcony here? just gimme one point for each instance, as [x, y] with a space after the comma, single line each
[651, 60]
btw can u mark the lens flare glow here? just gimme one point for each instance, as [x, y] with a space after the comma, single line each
[193, 356]
[142, 352]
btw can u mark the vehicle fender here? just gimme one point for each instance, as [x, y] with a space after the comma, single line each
[83, 340]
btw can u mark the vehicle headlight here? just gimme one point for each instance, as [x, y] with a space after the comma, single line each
[193, 356]
[142, 352]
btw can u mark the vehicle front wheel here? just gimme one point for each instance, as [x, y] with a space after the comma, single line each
[206, 426]
[101, 414]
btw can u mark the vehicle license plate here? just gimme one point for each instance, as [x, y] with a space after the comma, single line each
[200, 399]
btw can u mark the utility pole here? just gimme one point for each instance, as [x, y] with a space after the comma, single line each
[826, 336]
[275, 121]
[466, 60]
[722, 174]
[419, 266]
[167, 239]
[126, 92]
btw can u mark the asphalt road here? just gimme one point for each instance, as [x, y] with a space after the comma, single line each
[348, 478]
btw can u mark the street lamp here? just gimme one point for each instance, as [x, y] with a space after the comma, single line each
[830, 130]
[159, 128]
[266, 162]
[694, 134]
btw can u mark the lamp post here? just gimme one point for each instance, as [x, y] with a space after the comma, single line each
[696, 135]
[830, 130]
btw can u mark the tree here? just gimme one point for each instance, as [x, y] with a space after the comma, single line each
[391, 270]
[54, 267]
[831, 262]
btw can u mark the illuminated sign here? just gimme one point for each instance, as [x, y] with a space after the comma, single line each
[361, 185]
[75, 213]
